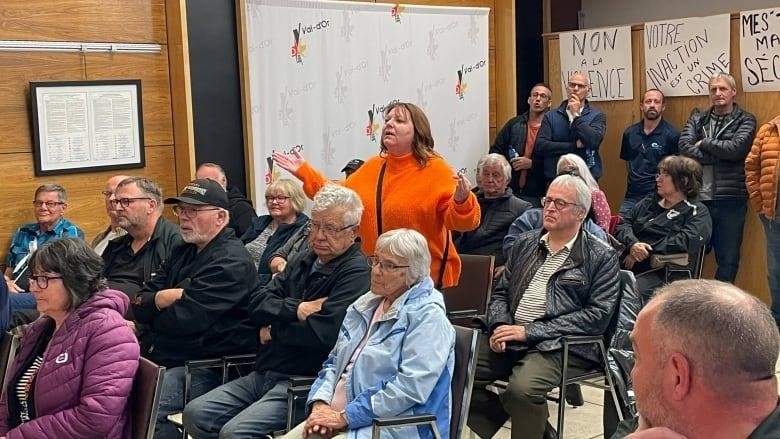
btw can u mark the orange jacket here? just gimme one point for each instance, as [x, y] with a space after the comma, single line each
[414, 197]
[762, 169]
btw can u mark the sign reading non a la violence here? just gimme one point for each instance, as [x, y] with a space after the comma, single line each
[682, 54]
[759, 49]
[604, 55]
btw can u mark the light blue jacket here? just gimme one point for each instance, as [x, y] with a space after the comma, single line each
[405, 367]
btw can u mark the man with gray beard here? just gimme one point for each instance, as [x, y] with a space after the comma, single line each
[195, 306]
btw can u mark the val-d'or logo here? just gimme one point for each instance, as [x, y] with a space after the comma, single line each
[461, 86]
[298, 48]
[372, 127]
[397, 11]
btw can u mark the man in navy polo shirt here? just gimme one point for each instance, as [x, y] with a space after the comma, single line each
[645, 143]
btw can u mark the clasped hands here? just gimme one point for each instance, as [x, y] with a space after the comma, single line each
[637, 253]
[324, 421]
[505, 333]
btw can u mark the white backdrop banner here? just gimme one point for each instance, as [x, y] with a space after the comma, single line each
[604, 55]
[682, 54]
[320, 74]
[759, 49]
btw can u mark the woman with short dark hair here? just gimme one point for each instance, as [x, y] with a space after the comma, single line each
[75, 368]
[669, 222]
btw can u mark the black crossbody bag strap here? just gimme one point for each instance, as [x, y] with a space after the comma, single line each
[379, 199]
[444, 261]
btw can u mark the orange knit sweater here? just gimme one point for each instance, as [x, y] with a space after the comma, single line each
[414, 197]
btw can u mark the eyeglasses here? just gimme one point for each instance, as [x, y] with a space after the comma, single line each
[328, 230]
[559, 204]
[539, 95]
[576, 86]
[48, 204]
[277, 198]
[42, 280]
[190, 212]
[126, 202]
[373, 261]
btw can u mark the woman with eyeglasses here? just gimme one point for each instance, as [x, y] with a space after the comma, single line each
[407, 185]
[74, 370]
[600, 211]
[395, 351]
[671, 221]
[284, 200]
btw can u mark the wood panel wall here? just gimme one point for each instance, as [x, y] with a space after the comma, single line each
[164, 78]
[620, 114]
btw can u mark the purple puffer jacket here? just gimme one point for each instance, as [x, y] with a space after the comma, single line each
[83, 387]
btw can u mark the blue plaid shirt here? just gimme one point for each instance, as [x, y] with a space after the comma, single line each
[28, 233]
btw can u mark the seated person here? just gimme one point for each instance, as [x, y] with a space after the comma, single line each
[100, 241]
[74, 370]
[706, 355]
[669, 222]
[499, 209]
[131, 259]
[600, 211]
[395, 351]
[195, 305]
[49, 207]
[298, 315]
[240, 208]
[557, 281]
[284, 200]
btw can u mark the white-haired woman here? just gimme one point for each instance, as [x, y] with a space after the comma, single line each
[395, 351]
[600, 211]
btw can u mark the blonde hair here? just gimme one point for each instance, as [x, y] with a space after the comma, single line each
[288, 188]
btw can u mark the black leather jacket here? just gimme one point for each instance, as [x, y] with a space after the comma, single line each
[581, 296]
[725, 149]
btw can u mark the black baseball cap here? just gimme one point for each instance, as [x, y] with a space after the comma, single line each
[202, 191]
[353, 164]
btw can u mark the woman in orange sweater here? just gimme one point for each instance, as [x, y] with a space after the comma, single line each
[406, 185]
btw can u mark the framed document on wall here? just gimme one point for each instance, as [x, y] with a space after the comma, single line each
[81, 126]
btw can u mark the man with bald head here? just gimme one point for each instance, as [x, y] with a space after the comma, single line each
[705, 365]
[574, 127]
[113, 230]
[516, 142]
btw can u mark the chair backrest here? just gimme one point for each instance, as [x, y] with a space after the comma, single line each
[8, 348]
[145, 398]
[466, 342]
[469, 298]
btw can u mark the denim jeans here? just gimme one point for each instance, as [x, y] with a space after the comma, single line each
[250, 406]
[772, 233]
[728, 223]
[172, 396]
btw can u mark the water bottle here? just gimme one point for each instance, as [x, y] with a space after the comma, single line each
[512, 153]
[590, 158]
